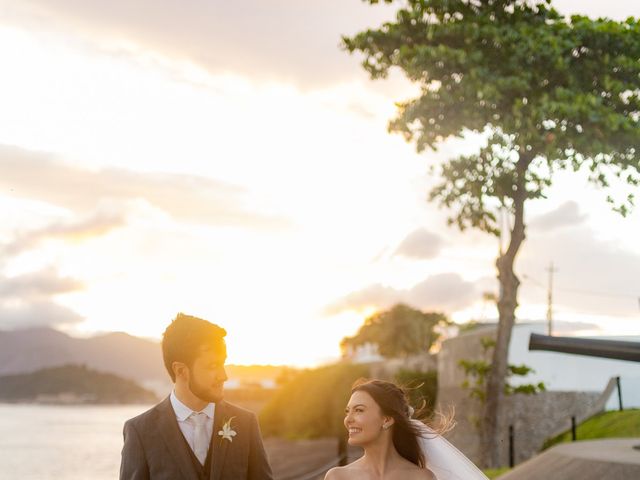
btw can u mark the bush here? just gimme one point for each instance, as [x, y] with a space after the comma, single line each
[312, 403]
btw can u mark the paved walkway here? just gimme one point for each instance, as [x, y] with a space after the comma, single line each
[611, 459]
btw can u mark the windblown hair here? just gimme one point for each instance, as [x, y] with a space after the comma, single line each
[185, 337]
[392, 400]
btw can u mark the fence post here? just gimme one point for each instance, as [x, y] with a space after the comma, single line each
[573, 429]
[619, 394]
[511, 455]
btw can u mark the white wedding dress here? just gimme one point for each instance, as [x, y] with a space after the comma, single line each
[444, 460]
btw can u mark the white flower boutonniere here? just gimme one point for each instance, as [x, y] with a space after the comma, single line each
[227, 433]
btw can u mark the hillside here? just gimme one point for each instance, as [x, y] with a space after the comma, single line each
[131, 357]
[71, 384]
[139, 359]
[625, 424]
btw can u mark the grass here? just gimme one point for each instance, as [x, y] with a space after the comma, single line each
[495, 472]
[623, 424]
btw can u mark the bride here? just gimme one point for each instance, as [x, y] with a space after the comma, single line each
[396, 447]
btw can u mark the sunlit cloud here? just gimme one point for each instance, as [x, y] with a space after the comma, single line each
[442, 292]
[420, 244]
[27, 300]
[186, 197]
[280, 40]
[98, 223]
[37, 285]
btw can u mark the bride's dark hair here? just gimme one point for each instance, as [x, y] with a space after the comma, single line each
[392, 400]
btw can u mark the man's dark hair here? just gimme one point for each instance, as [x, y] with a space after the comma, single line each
[185, 337]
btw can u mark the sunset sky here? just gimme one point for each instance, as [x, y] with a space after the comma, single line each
[228, 160]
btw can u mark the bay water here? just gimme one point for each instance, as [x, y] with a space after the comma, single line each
[42, 442]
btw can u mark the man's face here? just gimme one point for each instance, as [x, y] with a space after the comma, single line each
[207, 374]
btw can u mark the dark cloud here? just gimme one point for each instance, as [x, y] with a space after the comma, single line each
[444, 292]
[186, 197]
[420, 244]
[289, 40]
[567, 214]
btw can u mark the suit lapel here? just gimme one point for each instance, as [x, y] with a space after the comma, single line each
[218, 443]
[174, 440]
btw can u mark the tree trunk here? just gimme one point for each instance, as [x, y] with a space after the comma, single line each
[492, 428]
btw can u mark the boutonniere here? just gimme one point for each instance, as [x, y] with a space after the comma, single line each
[227, 433]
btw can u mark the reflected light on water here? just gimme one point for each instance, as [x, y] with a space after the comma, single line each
[62, 442]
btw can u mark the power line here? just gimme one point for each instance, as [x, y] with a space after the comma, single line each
[583, 292]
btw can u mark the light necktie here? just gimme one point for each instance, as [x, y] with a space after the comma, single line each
[200, 437]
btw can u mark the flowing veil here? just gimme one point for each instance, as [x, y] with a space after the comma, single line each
[444, 460]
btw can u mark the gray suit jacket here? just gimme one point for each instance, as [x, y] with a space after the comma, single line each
[154, 448]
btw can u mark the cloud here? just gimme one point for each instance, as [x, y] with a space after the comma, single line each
[443, 292]
[186, 197]
[36, 314]
[26, 300]
[98, 223]
[446, 291]
[593, 276]
[567, 214]
[288, 40]
[36, 286]
[420, 244]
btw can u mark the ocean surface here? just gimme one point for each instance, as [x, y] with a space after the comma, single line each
[62, 442]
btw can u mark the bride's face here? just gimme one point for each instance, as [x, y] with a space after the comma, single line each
[364, 419]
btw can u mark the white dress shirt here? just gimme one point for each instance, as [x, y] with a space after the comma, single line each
[183, 413]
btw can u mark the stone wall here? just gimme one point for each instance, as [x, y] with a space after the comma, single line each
[535, 418]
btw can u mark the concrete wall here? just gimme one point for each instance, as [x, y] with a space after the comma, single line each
[534, 417]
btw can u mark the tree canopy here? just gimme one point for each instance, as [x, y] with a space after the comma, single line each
[560, 92]
[399, 331]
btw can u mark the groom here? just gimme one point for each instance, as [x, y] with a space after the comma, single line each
[193, 434]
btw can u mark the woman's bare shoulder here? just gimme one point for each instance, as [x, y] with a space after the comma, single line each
[338, 473]
[421, 474]
[416, 473]
[353, 471]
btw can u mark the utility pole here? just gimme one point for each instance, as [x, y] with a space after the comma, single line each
[551, 271]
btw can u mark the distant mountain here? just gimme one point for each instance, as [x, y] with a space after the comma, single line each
[23, 351]
[138, 359]
[72, 384]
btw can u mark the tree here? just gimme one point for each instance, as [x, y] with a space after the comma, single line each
[545, 92]
[398, 332]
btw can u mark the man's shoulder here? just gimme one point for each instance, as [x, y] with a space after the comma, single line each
[149, 416]
[234, 410]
